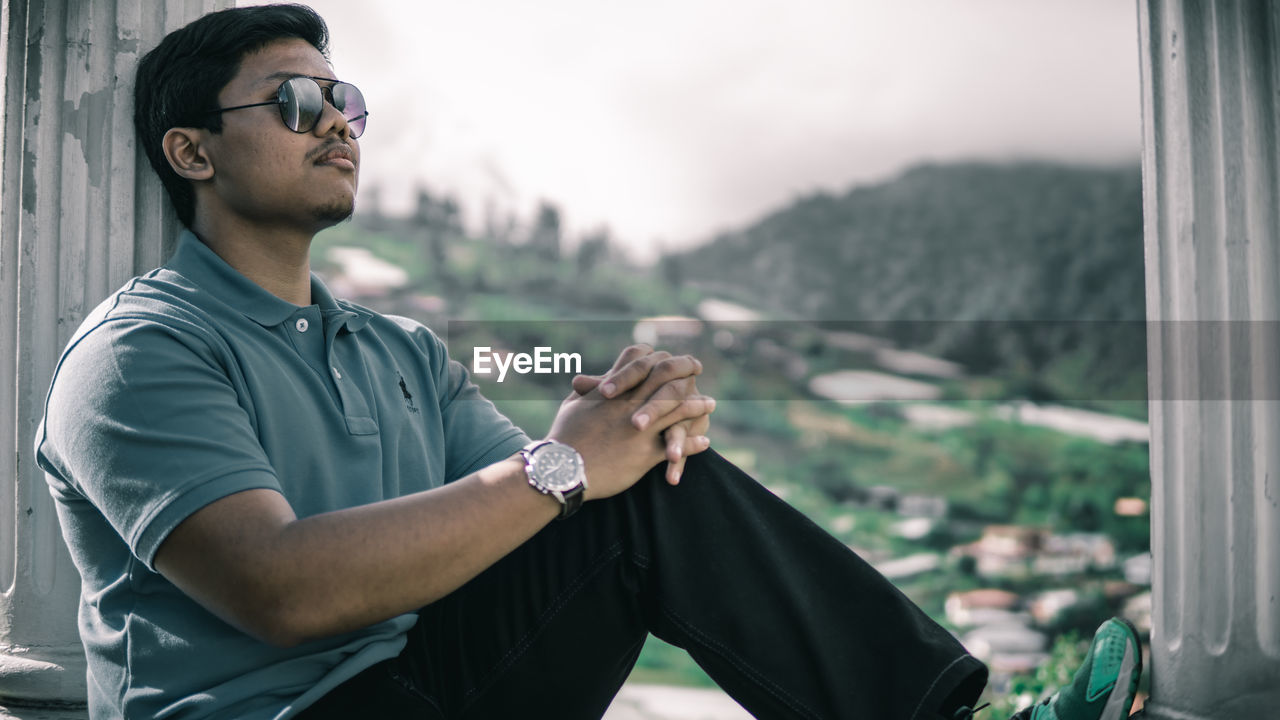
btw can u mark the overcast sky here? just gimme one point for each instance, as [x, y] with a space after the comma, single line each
[670, 119]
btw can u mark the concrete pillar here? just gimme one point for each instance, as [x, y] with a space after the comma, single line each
[81, 213]
[1210, 104]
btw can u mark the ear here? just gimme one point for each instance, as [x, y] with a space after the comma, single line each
[186, 154]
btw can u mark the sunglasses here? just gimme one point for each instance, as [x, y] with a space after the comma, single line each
[301, 100]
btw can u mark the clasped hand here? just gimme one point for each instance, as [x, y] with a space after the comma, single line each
[645, 409]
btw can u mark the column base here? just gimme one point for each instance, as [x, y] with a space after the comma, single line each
[1257, 706]
[1153, 711]
[42, 676]
[43, 713]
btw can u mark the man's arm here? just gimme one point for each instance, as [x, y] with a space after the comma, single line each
[248, 559]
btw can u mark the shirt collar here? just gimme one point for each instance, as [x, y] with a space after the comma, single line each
[350, 317]
[198, 263]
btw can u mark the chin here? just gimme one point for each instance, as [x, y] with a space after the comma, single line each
[335, 212]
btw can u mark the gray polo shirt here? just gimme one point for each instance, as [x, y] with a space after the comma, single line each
[191, 383]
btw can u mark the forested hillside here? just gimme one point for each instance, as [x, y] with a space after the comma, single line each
[1056, 250]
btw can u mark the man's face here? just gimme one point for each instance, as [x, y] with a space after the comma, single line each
[265, 172]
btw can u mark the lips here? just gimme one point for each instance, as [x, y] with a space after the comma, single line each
[337, 155]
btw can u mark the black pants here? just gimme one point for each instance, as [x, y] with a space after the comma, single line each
[781, 615]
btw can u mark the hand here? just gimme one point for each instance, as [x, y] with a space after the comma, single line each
[640, 363]
[620, 435]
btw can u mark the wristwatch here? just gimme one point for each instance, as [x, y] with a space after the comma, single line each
[557, 470]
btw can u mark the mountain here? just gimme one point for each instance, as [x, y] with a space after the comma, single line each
[1036, 260]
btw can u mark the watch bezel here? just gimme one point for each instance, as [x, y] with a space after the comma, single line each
[555, 477]
[577, 480]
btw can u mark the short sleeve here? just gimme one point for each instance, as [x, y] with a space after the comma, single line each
[476, 434]
[144, 421]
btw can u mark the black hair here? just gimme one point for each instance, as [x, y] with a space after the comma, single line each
[178, 82]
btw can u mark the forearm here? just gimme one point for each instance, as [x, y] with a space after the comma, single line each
[286, 580]
[354, 567]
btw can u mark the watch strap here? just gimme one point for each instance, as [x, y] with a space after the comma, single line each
[571, 501]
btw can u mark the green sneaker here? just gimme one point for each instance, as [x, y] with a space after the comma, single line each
[1104, 686]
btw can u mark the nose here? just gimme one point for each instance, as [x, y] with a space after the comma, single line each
[331, 119]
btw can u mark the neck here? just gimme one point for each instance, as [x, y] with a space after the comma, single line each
[276, 259]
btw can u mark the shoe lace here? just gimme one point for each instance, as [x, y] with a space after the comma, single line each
[966, 713]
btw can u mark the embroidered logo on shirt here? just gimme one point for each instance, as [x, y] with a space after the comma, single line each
[408, 398]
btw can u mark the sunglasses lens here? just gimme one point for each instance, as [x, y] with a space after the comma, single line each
[350, 102]
[301, 103]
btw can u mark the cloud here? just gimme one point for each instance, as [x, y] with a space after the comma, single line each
[670, 119]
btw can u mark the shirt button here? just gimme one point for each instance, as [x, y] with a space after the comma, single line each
[336, 373]
[302, 325]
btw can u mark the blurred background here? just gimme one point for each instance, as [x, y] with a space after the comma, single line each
[905, 239]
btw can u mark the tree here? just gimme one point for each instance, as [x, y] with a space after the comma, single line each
[440, 222]
[595, 247]
[671, 268]
[371, 213]
[499, 225]
[545, 236]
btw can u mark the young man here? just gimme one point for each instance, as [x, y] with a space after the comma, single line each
[266, 527]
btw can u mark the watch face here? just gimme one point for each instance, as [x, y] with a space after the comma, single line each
[557, 467]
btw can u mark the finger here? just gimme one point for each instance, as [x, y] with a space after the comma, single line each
[674, 471]
[664, 401]
[630, 354]
[668, 369]
[667, 398]
[583, 384]
[631, 374]
[697, 427]
[625, 358]
[693, 406]
[674, 437]
[695, 444]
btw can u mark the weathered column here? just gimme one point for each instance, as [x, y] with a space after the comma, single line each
[1212, 214]
[81, 213]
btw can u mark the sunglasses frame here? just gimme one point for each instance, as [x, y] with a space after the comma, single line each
[326, 95]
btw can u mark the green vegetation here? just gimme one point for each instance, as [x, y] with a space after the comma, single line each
[1067, 654]
[664, 664]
